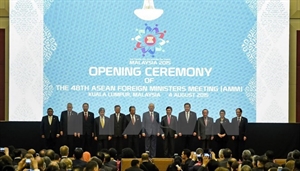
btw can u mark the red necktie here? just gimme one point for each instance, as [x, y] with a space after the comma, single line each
[169, 120]
[152, 117]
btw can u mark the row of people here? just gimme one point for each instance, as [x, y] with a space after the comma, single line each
[119, 126]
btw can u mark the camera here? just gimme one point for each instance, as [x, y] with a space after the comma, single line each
[2, 149]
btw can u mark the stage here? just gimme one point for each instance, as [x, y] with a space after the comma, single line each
[279, 137]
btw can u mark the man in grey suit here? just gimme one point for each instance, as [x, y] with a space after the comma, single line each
[151, 129]
[205, 129]
[187, 126]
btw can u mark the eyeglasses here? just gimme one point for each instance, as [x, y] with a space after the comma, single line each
[78, 148]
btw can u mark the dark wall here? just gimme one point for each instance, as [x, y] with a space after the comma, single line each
[298, 77]
[281, 138]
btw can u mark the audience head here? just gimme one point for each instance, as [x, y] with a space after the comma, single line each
[248, 163]
[113, 153]
[290, 164]
[18, 153]
[177, 161]
[32, 151]
[50, 153]
[47, 160]
[106, 158]
[254, 160]
[221, 155]
[92, 166]
[246, 168]
[53, 166]
[86, 156]
[78, 152]
[246, 155]
[67, 163]
[227, 153]
[235, 166]
[41, 163]
[221, 169]
[127, 153]
[145, 157]
[261, 161]
[97, 160]
[199, 151]
[185, 154]
[56, 157]
[252, 151]
[135, 163]
[296, 154]
[101, 155]
[270, 155]
[64, 150]
[42, 153]
[297, 164]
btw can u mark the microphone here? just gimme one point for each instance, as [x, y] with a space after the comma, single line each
[178, 167]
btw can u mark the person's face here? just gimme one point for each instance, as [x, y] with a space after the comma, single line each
[204, 113]
[85, 107]
[169, 111]
[222, 114]
[151, 107]
[69, 107]
[132, 111]
[50, 112]
[238, 113]
[117, 109]
[187, 108]
[102, 112]
[183, 156]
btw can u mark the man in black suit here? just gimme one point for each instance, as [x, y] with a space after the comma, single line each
[87, 127]
[102, 130]
[151, 129]
[205, 129]
[78, 162]
[68, 119]
[239, 125]
[134, 166]
[50, 129]
[169, 127]
[146, 164]
[187, 126]
[132, 131]
[117, 128]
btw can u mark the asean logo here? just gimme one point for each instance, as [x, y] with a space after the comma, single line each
[150, 40]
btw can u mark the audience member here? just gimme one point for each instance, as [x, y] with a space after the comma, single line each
[86, 156]
[78, 161]
[134, 166]
[146, 164]
[92, 166]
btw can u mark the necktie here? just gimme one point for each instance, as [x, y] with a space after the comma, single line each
[187, 116]
[133, 120]
[205, 120]
[85, 116]
[102, 122]
[117, 117]
[169, 120]
[239, 121]
[152, 117]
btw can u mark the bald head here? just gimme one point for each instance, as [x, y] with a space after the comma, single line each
[151, 107]
[145, 156]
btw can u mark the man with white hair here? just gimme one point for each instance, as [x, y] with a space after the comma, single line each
[221, 155]
[246, 155]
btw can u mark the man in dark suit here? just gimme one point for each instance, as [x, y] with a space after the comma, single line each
[134, 166]
[205, 129]
[146, 164]
[169, 127]
[132, 131]
[117, 128]
[221, 130]
[151, 129]
[102, 130]
[68, 119]
[78, 162]
[50, 129]
[187, 126]
[239, 125]
[87, 127]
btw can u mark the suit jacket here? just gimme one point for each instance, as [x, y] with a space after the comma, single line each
[114, 168]
[221, 128]
[148, 166]
[103, 167]
[187, 127]
[205, 132]
[48, 130]
[112, 162]
[239, 130]
[79, 163]
[131, 129]
[149, 127]
[169, 130]
[134, 168]
[68, 124]
[86, 127]
[117, 128]
[102, 133]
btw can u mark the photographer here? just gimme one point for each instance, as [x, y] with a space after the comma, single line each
[28, 163]
[175, 166]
